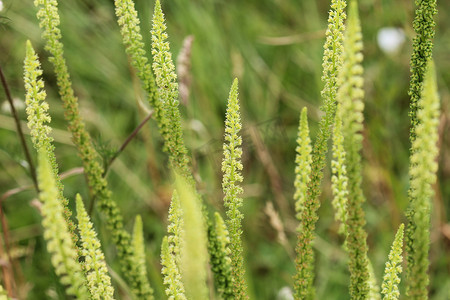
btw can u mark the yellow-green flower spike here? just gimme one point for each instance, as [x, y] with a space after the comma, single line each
[128, 20]
[171, 274]
[139, 264]
[37, 107]
[98, 280]
[219, 251]
[339, 178]
[166, 81]
[175, 227]
[391, 279]
[232, 168]
[350, 98]
[59, 243]
[49, 21]
[332, 61]
[424, 26]
[422, 172]
[193, 244]
[171, 257]
[38, 117]
[303, 162]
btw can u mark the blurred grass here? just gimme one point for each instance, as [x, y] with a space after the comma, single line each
[275, 49]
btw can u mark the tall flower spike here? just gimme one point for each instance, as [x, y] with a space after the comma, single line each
[422, 173]
[219, 251]
[193, 246]
[339, 178]
[171, 256]
[340, 191]
[128, 20]
[63, 252]
[391, 278]
[98, 280]
[49, 21]
[349, 97]
[139, 264]
[37, 107]
[304, 277]
[166, 81]
[175, 227]
[424, 26]
[171, 274]
[37, 112]
[303, 161]
[232, 168]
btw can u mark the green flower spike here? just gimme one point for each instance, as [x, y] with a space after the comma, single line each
[139, 264]
[350, 96]
[391, 278]
[128, 20]
[231, 168]
[424, 26]
[302, 164]
[172, 278]
[219, 252]
[176, 224]
[98, 280]
[171, 251]
[37, 112]
[59, 243]
[332, 61]
[166, 81]
[422, 172]
[194, 252]
[49, 21]
[339, 178]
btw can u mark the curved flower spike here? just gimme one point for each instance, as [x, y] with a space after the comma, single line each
[303, 162]
[98, 280]
[166, 80]
[59, 243]
[231, 168]
[422, 172]
[391, 279]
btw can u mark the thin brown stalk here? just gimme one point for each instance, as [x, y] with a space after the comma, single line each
[19, 130]
[120, 150]
[127, 141]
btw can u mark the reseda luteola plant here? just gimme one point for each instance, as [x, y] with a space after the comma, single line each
[308, 217]
[196, 242]
[350, 107]
[49, 21]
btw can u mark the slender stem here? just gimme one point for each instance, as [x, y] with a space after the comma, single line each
[19, 130]
[120, 150]
[127, 141]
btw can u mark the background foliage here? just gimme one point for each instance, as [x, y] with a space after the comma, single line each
[275, 49]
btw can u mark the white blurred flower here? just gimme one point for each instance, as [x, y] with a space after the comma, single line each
[1, 5]
[285, 294]
[19, 104]
[390, 39]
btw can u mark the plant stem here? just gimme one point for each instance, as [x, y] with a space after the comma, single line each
[120, 150]
[19, 130]
[127, 141]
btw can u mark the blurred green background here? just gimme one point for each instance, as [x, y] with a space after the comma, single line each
[275, 48]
